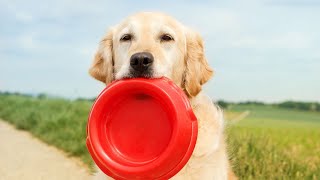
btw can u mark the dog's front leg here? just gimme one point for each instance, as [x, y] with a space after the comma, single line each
[210, 125]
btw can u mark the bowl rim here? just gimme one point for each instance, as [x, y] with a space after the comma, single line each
[109, 165]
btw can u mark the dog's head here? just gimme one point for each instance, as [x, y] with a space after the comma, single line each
[152, 45]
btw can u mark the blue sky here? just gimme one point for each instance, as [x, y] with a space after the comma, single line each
[265, 50]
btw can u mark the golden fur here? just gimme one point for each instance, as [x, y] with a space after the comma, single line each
[183, 61]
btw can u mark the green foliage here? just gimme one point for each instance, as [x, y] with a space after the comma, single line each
[59, 122]
[304, 106]
[223, 104]
[270, 143]
[252, 103]
[307, 106]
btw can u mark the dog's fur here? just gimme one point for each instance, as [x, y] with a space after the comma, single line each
[182, 60]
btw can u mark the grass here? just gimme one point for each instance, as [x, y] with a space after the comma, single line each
[269, 143]
[57, 122]
[273, 143]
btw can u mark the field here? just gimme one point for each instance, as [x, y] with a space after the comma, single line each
[58, 122]
[273, 143]
[265, 142]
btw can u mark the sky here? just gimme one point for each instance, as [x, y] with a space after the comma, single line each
[264, 50]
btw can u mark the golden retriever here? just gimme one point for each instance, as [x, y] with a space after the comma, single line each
[154, 45]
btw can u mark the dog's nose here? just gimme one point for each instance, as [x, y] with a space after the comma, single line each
[141, 61]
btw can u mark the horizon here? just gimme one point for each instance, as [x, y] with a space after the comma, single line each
[265, 50]
[37, 95]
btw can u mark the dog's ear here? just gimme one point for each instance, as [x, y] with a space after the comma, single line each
[102, 66]
[197, 70]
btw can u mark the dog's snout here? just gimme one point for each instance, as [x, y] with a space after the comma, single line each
[141, 61]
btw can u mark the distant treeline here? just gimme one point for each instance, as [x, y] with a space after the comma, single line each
[305, 106]
[42, 96]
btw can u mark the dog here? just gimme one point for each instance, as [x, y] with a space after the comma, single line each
[154, 45]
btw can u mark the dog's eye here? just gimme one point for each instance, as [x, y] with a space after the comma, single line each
[166, 37]
[126, 37]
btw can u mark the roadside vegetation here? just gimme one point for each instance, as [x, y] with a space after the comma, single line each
[266, 141]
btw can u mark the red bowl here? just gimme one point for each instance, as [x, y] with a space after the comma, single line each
[141, 129]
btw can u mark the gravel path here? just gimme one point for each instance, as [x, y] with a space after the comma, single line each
[23, 157]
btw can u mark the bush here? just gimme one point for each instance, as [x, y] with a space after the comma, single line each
[223, 104]
[306, 106]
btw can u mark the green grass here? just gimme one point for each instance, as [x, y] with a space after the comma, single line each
[273, 143]
[58, 122]
[270, 143]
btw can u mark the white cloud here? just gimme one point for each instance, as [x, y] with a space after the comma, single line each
[87, 51]
[27, 41]
[291, 40]
[296, 3]
[60, 38]
[288, 40]
[24, 17]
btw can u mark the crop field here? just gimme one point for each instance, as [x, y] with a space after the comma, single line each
[274, 143]
[265, 142]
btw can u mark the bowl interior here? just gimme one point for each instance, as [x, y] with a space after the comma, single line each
[138, 127]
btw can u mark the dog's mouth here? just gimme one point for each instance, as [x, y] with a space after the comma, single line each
[137, 74]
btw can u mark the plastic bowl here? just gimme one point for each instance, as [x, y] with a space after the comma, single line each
[141, 129]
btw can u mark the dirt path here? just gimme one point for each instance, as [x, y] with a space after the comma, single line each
[25, 157]
[242, 116]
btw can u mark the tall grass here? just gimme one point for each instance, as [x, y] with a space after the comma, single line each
[270, 143]
[58, 122]
[273, 143]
